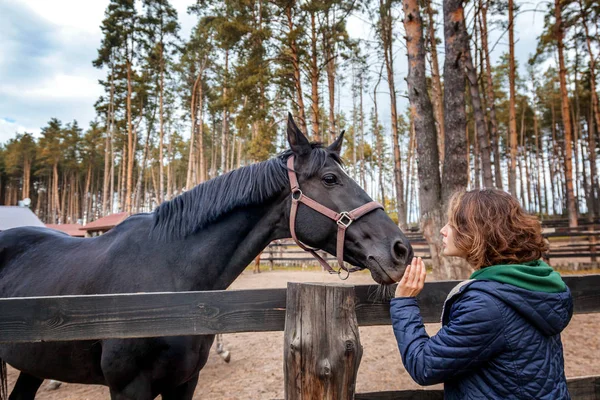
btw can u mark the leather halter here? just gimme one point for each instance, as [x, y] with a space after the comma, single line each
[343, 221]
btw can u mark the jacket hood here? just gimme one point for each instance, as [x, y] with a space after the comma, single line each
[535, 275]
[548, 312]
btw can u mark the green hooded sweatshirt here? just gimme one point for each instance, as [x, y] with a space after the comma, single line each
[536, 276]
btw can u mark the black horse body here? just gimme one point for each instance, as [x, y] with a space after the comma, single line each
[201, 240]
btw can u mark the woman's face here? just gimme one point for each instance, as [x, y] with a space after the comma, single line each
[449, 246]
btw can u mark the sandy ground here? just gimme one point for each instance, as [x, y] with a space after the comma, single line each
[256, 367]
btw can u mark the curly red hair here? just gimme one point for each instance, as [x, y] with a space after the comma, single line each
[492, 228]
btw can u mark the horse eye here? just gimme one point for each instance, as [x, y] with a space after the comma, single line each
[330, 179]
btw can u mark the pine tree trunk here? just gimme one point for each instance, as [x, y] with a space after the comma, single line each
[363, 179]
[170, 180]
[592, 193]
[49, 199]
[387, 38]
[575, 115]
[225, 122]
[354, 125]
[200, 122]
[142, 169]
[593, 172]
[68, 198]
[314, 78]
[233, 147]
[87, 195]
[154, 184]
[476, 161]
[555, 160]
[512, 116]
[545, 167]
[468, 154]
[38, 203]
[520, 159]
[571, 207]
[191, 159]
[214, 150]
[107, 147]
[586, 188]
[455, 162]
[329, 49]
[436, 87]
[74, 195]
[26, 176]
[161, 179]
[295, 59]
[122, 178]
[130, 144]
[63, 193]
[56, 211]
[239, 154]
[422, 115]
[483, 140]
[378, 145]
[111, 199]
[494, 136]
[542, 206]
[592, 69]
[409, 171]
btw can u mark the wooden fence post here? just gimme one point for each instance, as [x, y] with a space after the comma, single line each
[322, 349]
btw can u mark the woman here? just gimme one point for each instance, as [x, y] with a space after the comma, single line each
[500, 335]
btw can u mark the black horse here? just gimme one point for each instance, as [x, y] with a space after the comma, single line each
[200, 240]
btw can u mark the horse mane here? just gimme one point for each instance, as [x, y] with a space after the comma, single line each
[251, 185]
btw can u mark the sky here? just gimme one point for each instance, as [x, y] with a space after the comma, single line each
[47, 48]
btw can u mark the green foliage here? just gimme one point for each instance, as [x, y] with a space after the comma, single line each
[16, 151]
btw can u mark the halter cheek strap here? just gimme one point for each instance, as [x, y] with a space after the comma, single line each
[343, 220]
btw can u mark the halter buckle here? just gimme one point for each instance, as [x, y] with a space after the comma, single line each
[297, 194]
[345, 219]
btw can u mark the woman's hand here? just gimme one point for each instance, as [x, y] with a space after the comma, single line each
[413, 280]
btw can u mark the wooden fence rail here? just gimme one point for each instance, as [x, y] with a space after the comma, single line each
[584, 388]
[62, 318]
[565, 243]
[57, 318]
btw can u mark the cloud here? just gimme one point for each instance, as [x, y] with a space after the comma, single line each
[8, 129]
[46, 50]
[46, 54]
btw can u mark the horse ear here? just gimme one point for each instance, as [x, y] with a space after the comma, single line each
[336, 146]
[298, 142]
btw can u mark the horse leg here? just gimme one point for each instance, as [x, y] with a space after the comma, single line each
[225, 355]
[137, 390]
[182, 392]
[26, 387]
[115, 395]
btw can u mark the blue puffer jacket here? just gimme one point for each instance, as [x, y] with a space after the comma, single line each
[497, 341]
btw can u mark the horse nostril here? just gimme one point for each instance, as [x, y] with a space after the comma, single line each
[399, 251]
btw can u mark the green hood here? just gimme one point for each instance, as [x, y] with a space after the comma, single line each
[536, 276]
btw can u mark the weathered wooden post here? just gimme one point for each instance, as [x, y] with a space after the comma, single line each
[322, 349]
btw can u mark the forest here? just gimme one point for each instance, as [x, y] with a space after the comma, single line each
[177, 111]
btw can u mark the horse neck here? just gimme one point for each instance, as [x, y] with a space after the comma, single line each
[225, 248]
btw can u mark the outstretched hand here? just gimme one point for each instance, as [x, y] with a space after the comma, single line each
[413, 280]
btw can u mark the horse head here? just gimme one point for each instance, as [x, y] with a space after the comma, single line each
[372, 241]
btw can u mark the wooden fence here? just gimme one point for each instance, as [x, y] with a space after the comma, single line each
[575, 246]
[192, 313]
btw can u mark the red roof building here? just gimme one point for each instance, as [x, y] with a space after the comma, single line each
[103, 224]
[70, 229]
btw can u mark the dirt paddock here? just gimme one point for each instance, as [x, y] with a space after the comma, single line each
[256, 367]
